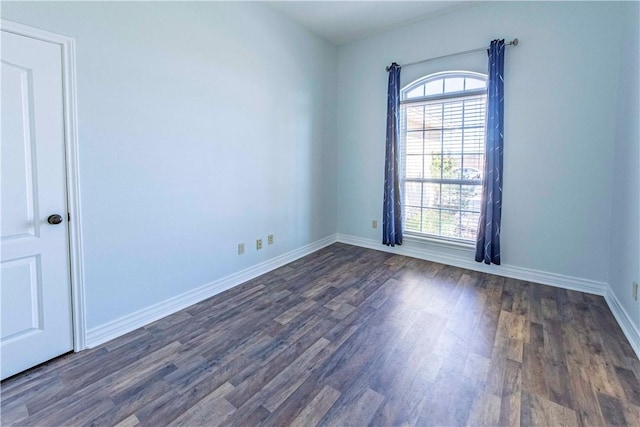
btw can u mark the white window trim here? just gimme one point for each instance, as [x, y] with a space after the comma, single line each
[411, 235]
[437, 240]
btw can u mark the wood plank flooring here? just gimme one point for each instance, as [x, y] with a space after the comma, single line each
[351, 336]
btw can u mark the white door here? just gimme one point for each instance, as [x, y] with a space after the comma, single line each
[36, 322]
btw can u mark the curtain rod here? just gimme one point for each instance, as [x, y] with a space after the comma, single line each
[513, 42]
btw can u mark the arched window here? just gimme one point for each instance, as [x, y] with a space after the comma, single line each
[442, 136]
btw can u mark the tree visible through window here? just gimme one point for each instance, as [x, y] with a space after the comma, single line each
[442, 133]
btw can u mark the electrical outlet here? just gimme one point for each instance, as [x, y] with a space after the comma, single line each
[240, 248]
[374, 223]
[258, 244]
[635, 291]
[270, 239]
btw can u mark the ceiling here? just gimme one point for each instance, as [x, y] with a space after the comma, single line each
[341, 22]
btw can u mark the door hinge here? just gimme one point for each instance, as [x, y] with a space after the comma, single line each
[68, 216]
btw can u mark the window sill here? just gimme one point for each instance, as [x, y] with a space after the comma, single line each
[435, 241]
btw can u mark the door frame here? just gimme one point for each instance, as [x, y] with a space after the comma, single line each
[72, 171]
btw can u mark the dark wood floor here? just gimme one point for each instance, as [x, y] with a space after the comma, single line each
[350, 336]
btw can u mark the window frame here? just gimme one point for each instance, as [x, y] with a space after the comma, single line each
[437, 99]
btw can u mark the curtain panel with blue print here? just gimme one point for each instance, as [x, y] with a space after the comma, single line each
[488, 238]
[392, 209]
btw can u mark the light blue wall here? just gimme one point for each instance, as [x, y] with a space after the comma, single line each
[560, 121]
[625, 235]
[207, 124]
[201, 125]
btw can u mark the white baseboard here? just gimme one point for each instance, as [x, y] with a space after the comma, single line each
[629, 329]
[108, 331]
[115, 328]
[530, 275]
[536, 276]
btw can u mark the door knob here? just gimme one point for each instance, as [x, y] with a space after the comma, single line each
[54, 219]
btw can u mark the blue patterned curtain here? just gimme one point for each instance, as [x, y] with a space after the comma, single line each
[488, 240]
[392, 210]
